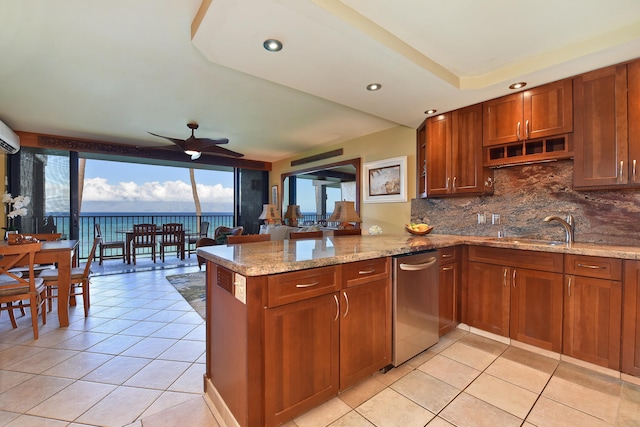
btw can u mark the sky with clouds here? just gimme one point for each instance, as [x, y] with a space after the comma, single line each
[127, 187]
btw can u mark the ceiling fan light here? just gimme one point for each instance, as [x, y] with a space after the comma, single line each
[195, 155]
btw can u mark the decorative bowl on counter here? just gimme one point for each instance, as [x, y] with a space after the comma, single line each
[418, 229]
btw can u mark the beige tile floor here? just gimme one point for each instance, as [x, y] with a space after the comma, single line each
[138, 361]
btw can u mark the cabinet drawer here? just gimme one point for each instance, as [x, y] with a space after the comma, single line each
[534, 260]
[299, 285]
[448, 255]
[591, 266]
[359, 272]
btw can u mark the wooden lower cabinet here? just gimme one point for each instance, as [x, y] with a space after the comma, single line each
[507, 297]
[593, 309]
[448, 289]
[489, 294]
[631, 319]
[365, 334]
[301, 356]
[592, 316]
[315, 347]
[536, 308]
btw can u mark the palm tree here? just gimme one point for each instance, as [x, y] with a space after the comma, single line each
[196, 199]
[81, 168]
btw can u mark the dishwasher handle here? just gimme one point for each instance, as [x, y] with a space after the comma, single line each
[416, 267]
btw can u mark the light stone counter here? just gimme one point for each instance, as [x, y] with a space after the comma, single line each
[272, 257]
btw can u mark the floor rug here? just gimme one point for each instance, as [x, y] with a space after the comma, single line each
[192, 288]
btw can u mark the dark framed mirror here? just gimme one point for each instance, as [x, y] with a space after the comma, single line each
[316, 189]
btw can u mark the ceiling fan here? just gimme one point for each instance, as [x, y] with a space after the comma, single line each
[194, 147]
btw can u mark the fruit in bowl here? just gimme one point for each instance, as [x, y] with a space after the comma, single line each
[418, 229]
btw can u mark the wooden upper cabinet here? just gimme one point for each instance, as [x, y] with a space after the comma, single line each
[454, 153]
[421, 160]
[503, 120]
[439, 174]
[548, 110]
[633, 105]
[601, 141]
[466, 153]
[535, 113]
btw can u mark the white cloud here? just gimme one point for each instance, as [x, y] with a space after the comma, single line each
[169, 196]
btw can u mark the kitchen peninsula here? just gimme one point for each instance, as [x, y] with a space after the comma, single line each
[291, 323]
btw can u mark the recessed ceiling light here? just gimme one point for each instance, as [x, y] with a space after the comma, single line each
[432, 111]
[374, 86]
[272, 45]
[518, 85]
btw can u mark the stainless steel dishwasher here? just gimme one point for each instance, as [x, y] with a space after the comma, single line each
[415, 304]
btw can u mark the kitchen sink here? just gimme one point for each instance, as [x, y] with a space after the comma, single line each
[529, 241]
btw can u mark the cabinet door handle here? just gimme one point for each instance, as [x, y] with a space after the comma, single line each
[307, 285]
[346, 299]
[621, 171]
[526, 128]
[633, 170]
[335, 297]
[367, 271]
[447, 186]
[518, 131]
[504, 277]
[447, 268]
[447, 255]
[569, 285]
[513, 277]
[595, 267]
[454, 183]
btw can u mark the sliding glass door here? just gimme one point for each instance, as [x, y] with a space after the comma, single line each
[50, 179]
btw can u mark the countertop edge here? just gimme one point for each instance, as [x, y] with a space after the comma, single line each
[402, 244]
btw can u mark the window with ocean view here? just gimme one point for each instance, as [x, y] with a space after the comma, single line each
[118, 194]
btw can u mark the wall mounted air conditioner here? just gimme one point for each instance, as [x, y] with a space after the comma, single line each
[9, 141]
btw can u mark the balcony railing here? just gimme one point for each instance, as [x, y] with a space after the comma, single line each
[112, 227]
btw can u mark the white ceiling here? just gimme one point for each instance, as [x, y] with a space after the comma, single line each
[113, 70]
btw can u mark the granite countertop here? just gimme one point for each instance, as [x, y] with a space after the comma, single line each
[279, 256]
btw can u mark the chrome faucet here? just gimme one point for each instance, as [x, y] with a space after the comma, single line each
[567, 224]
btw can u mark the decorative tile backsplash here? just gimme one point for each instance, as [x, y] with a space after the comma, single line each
[524, 195]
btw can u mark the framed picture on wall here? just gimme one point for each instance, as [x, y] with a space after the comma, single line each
[274, 195]
[385, 181]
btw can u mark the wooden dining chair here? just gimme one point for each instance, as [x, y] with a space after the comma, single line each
[16, 287]
[348, 232]
[193, 238]
[172, 236]
[80, 277]
[144, 236]
[205, 241]
[110, 245]
[248, 238]
[305, 235]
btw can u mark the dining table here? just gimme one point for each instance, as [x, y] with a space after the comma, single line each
[129, 239]
[61, 253]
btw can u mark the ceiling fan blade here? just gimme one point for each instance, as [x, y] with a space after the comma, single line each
[220, 151]
[212, 141]
[202, 144]
[179, 142]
